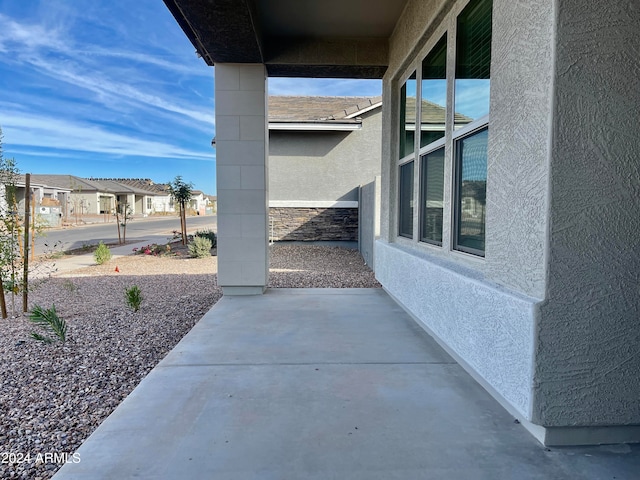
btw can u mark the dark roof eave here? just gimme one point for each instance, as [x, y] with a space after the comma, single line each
[186, 27]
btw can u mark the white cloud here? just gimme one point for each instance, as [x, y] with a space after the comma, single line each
[21, 36]
[52, 133]
[118, 91]
[52, 55]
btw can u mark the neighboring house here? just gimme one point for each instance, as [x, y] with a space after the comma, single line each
[512, 239]
[86, 198]
[157, 199]
[198, 202]
[321, 150]
[137, 200]
[48, 202]
[212, 204]
[97, 196]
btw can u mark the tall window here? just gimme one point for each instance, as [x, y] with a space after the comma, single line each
[473, 62]
[434, 94]
[433, 114]
[432, 195]
[471, 181]
[406, 200]
[408, 97]
[408, 116]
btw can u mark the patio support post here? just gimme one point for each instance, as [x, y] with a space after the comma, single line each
[242, 182]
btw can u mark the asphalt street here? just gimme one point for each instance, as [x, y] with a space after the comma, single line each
[138, 229]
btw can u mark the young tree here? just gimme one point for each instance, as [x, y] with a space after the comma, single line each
[181, 193]
[123, 214]
[9, 227]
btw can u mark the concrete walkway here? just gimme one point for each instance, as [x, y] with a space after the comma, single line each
[70, 263]
[321, 384]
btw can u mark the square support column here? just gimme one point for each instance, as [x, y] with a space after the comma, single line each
[242, 152]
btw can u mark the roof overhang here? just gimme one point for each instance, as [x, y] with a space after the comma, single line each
[316, 126]
[293, 38]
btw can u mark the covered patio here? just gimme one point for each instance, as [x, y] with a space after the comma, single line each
[510, 232]
[321, 384]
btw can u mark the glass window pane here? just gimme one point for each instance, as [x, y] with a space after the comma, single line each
[406, 200]
[434, 94]
[473, 62]
[408, 116]
[432, 186]
[471, 154]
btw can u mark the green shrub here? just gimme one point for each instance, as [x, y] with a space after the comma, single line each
[134, 297]
[153, 249]
[49, 321]
[102, 254]
[210, 234]
[200, 247]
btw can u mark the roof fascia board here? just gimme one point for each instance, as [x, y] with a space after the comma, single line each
[364, 110]
[318, 127]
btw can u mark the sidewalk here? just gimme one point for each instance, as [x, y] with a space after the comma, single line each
[70, 263]
[88, 220]
[322, 384]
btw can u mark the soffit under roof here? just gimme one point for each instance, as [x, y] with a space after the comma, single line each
[306, 38]
[328, 18]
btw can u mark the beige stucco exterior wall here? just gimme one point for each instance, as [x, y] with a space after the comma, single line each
[89, 200]
[324, 166]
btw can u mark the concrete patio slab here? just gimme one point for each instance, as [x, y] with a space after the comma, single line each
[321, 384]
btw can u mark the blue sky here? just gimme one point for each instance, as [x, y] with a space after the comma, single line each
[113, 88]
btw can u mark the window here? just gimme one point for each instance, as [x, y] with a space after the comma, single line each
[149, 204]
[432, 195]
[473, 61]
[471, 188]
[406, 200]
[408, 96]
[434, 94]
[450, 117]
[408, 116]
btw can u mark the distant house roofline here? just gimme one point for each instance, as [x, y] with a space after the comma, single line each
[319, 113]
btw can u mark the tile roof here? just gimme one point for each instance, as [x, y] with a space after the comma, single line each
[143, 184]
[318, 109]
[432, 113]
[119, 185]
[65, 181]
[106, 185]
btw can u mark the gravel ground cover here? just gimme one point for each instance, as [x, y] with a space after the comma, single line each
[54, 396]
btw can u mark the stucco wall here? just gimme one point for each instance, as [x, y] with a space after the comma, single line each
[324, 166]
[84, 203]
[588, 355]
[369, 219]
[483, 309]
[519, 146]
[488, 326]
[417, 23]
